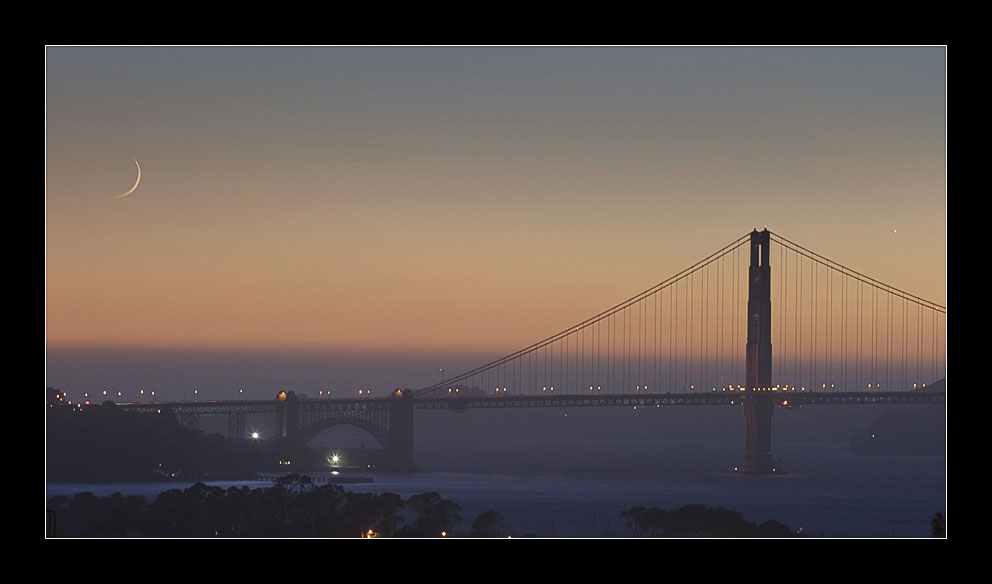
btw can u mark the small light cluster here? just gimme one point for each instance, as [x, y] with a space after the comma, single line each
[772, 388]
[63, 399]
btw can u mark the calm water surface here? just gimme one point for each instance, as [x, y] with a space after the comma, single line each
[577, 488]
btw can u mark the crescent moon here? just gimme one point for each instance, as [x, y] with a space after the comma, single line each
[135, 182]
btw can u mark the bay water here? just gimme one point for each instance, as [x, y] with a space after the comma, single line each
[577, 488]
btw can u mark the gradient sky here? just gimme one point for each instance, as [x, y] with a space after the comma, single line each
[464, 199]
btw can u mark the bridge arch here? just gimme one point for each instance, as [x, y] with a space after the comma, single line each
[376, 431]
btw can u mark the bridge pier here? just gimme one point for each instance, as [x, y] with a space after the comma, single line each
[758, 411]
[399, 451]
[236, 425]
[288, 418]
[759, 405]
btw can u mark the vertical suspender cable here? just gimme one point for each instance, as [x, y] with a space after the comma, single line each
[888, 343]
[874, 333]
[674, 362]
[692, 305]
[781, 311]
[919, 343]
[799, 323]
[705, 336]
[934, 318]
[830, 337]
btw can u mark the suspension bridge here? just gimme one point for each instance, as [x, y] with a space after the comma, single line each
[701, 337]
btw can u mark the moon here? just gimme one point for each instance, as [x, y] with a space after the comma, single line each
[131, 190]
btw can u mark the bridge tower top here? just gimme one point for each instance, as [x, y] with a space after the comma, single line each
[760, 243]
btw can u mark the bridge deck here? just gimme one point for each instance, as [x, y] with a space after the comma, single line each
[783, 398]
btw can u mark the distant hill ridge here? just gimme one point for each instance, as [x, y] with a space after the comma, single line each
[903, 432]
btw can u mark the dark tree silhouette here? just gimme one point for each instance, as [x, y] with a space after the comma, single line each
[698, 521]
[635, 520]
[434, 514]
[487, 524]
[937, 527]
[374, 514]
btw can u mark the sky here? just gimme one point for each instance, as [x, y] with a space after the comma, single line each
[366, 209]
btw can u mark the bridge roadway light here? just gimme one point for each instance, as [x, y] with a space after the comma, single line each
[254, 435]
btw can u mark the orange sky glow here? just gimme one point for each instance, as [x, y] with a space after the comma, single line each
[473, 199]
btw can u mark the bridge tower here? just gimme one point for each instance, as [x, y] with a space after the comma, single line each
[758, 401]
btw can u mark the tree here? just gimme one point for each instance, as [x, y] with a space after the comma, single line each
[487, 524]
[434, 514]
[937, 527]
[698, 521]
[635, 520]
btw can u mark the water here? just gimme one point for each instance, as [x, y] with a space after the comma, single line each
[577, 488]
